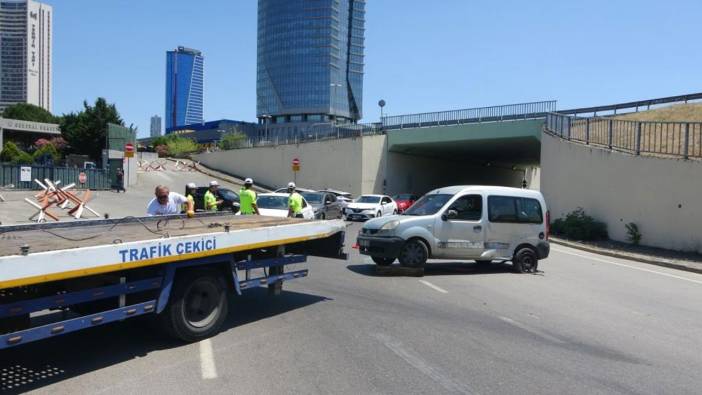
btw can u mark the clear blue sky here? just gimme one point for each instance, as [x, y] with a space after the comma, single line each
[420, 55]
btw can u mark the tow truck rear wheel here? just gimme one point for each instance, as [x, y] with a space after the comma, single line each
[382, 261]
[198, 306]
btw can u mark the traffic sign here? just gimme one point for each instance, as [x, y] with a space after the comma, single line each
[82, 178]
[129, 147]
[128, 154]
[296, 162]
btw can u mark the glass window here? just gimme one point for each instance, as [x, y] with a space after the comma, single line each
[514, 209]
[368, 199]
[469, 207]
[428, 204]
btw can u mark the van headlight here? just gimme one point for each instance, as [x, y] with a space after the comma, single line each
[388, 227]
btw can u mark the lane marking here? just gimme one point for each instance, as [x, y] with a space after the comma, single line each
[531, 330]
[434, 287]
[420, 364]
[207, 363]
[629, 266]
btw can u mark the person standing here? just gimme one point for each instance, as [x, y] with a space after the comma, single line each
[190, 189]
[120, 180]
[211, 202]
[247, 199]
[294, 202]
[168, 203]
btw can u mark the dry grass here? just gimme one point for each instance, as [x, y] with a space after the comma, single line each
[691, 112]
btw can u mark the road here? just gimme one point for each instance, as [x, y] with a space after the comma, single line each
[585, 324]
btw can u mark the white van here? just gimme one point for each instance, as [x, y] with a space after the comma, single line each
[480, 223]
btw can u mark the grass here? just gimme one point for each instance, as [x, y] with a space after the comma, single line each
[690, 112]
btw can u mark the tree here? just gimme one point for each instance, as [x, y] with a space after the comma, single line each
[10, 153]
[232, 140]
[181, 147]
[29, 112]
[86, 131]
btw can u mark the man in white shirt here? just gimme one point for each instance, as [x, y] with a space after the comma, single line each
[168, 203]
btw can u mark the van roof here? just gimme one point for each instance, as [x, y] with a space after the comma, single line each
[452, 190]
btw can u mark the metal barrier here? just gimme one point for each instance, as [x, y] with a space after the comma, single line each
[96, 178]
[634, 104]
[320, 132]
[471, 115]
[678, 139]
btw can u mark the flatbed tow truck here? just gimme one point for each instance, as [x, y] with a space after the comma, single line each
[64, 277]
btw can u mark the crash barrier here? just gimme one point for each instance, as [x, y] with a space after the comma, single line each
[185, 166]
[506, 112]
[12, 178]
[676, 139]
[154, 165]
[54, 196]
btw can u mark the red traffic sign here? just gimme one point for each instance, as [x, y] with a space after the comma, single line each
[296, 162]
[129, 147]
[82, 178]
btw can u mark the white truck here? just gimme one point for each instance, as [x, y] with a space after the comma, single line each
[64, 277]
[480, 223]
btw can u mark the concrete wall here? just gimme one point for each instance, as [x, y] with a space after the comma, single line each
[660, 195]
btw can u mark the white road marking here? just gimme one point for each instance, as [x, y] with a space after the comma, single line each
[420, 364]
[534, 331]
[628, 266]
[207, 363]
[434, 287]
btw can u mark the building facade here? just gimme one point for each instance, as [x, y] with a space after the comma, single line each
[184, 87]
[155, 126]
[211, 132]
[309, 64]
[25, 53]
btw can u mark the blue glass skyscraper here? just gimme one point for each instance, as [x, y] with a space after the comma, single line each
[310, 62]
[184, 87]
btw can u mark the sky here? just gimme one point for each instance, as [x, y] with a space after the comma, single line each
[421, 56]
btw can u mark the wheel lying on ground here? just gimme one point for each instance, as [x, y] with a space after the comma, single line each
[525, 261]
[382, 261]
[198, 306]
[414, 254]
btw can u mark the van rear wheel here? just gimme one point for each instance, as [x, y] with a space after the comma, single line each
[525, 261]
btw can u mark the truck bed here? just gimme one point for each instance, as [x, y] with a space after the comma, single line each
[74, 249]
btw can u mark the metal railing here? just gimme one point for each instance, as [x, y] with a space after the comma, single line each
[470, 115]
[634, 104]
[10, 175]
[677, 139]
[319, 132]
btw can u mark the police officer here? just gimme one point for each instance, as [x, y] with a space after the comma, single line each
[294, 202]
[247, 199]
[211, 201]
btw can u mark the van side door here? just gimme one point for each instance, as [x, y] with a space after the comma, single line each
[460, 229]
[513, 220]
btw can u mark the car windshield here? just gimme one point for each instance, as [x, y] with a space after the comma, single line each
[228, 195]
[368, 199]
[313, 197]
[428, 204]
[403, 196]
[272, 202]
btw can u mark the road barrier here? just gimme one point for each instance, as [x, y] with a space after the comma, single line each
[677, 139]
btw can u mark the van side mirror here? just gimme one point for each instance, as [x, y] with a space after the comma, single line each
[449, 214]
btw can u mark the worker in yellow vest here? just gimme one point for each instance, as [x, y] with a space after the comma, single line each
[247, 199]
[294, 202]
[211, 202]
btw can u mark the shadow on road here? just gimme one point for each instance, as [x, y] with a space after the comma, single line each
[431, 269]
[39, 364]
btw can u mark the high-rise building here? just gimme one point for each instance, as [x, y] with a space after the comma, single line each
[155, 126]
[310, 63]
[184, 87]
[25, 53]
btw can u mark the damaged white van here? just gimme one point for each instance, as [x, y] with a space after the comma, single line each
[468, 222]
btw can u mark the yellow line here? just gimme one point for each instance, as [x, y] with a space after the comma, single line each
[150, 262]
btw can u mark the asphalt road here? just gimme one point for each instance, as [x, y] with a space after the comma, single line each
[585, 324]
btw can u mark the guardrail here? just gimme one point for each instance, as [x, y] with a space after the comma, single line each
[470, 115]
[318, 132]
[634, 104]
[677, 139]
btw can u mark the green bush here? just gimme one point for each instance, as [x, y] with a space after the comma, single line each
[633, 234]
[47, 149]
[579, 226]
[232, 140]
[9, 152]
[181, 147]
[22, 159]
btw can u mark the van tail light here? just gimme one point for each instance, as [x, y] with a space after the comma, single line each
[548, 224]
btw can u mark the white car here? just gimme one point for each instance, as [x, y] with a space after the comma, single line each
[276, 205]
[370, 206]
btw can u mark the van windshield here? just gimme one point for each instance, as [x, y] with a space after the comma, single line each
[428, 204]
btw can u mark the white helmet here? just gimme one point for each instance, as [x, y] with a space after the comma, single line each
[214, 183]
[191, 185]
[291, 185]
[248, 181]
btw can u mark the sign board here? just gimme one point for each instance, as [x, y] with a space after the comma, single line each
[128, 154]
[296, 164]
[296, 168]
[82, 178]
[26, 174]
[129, 147]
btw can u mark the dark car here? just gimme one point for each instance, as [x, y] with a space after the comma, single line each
[325, 204]
[230, 199]
[404, 201]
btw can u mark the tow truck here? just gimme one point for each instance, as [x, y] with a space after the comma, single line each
[60, 278]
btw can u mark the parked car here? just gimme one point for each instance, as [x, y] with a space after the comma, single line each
[344, 198]
[404, 201]
[481, 223]
[276, 205]
[285, 190]
[370, 206]
[230, 199]
[324, 204]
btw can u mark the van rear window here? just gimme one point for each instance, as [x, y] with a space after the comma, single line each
[514, 210]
